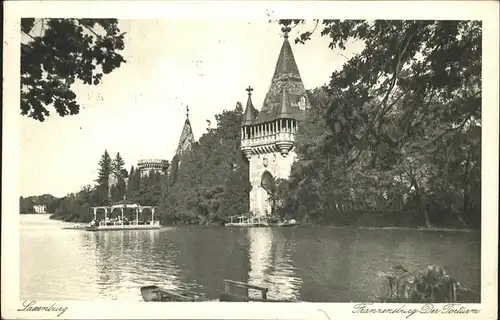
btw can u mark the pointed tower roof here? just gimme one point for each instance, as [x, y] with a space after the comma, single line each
[250, 111]
[187, 137]
[285, 111]
[286, 83]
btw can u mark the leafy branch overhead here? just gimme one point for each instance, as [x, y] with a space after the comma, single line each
[57, 52]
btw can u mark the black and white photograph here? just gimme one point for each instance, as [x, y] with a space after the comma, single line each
[282, 160]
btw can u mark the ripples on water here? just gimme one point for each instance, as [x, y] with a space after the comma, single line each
[309, 264]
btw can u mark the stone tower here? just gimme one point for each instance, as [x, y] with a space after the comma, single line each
[268, 139]
[156, 165]
[187, 138]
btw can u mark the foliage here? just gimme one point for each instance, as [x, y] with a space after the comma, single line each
[26, 204]
[77, 207]
[119, 190]
[428, 285]
[117, 165]
[56, 53]
[105, 170]
[209, 183]
[395, 136]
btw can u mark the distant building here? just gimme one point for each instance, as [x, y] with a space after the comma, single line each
[268, 139]
[40, 208]
[156, 165]
[162, 166]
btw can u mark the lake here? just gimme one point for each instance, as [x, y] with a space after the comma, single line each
[308, 264]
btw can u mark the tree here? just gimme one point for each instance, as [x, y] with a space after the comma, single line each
[57, 52]
[76, 207]
[209, 183]
[120, 188]
[105, 169]
[402, 120]
[131, 182]
[118, 163]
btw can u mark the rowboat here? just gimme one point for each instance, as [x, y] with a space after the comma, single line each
[153, 293]
[156, 294]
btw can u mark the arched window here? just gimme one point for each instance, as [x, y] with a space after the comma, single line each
[268, 182]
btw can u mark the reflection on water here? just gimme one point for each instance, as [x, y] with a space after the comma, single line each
[271, 265]
[309, 264]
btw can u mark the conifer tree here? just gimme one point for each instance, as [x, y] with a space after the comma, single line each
[105, 167]
[118, 164]
[130, 185]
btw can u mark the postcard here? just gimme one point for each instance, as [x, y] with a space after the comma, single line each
[250, 160]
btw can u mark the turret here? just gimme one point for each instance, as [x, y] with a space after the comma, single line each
[286, 124]
[246, 125]
[187, 138]
[268, 137]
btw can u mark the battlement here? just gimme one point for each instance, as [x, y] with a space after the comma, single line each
[146, 164]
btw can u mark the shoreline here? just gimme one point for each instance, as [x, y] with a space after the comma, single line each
[308, 225]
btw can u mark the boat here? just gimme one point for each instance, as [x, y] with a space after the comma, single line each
[121, 222]
[120, 225]
[156, 294]
[77, 226]
[153, 293]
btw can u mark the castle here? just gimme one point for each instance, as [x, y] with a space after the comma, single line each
[161, 165]
[146, 166]
[268, 136]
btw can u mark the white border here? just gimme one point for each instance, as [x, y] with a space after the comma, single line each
[488, 11]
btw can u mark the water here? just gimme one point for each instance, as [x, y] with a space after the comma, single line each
[308, 264]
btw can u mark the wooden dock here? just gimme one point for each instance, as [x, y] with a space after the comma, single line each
[247, 221]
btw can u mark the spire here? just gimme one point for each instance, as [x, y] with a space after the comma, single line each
[249, 115]
[286, 76]
[187, 137]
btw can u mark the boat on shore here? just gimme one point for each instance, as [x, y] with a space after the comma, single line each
[153, 293]
[121, 222]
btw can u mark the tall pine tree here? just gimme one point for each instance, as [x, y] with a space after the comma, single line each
[105, 168]
[118, 164]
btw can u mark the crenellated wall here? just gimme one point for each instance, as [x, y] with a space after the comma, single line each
[146, 165]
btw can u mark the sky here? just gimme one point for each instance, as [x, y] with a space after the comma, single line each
[139, 109]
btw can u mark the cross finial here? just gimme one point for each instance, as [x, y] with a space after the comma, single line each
[249, 90]
[286, 30]
[187, 112]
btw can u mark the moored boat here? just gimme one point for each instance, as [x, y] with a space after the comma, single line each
[121, 222]
[153, 293]
[156, 294]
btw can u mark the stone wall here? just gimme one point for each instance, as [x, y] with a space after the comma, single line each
[278, 166]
